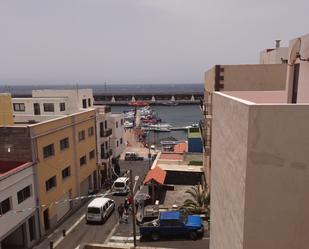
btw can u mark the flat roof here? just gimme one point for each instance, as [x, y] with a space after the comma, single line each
[8, 167]
[98, 202]
[171, 156]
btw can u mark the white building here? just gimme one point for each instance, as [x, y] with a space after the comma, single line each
[17, 193]
[118, 144]
[51, 103]
[104, 132]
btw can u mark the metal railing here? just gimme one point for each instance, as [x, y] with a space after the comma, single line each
[106, 133]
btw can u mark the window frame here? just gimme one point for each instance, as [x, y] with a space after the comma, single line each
[24, 194]
[81, 135]
[46, 107]
[19, 105]
[52, 152]
[90, 131]
[92, 155]
[66, 173]
[53, 180]
[9, 203]
[84, 162]
[62, 106]
[65, 145]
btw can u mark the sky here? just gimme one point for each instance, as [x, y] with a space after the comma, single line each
[138, 41]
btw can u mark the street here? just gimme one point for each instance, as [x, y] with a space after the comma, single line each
[92, 233]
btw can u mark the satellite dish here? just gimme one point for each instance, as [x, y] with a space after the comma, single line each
[295, 50]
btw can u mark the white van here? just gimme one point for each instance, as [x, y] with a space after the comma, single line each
[121, 185]
[99, 209]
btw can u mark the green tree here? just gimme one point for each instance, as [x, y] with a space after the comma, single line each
[199, 204]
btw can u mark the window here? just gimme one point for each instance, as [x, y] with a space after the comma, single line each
[116, 124]
[48, 107]
[117, 143]
[62, 107]
[64, 143]
[50, 183]
[66, 172]
[24, 194]
[48, 150]
[90, 131]
[89, 102]
[91, 154]
[121, 141]
[19, 107]
[81, 135]
[105, 124]
[84, 103]
[106, 145]
[101, 129]
[82, 160]
[5, 206]
[31, 223]
[121, 121]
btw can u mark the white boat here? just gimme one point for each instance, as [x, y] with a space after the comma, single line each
[158, 127]
[128, 124]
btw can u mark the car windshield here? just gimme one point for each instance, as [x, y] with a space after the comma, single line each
[119, 184]
[93, 210]
[183, 218]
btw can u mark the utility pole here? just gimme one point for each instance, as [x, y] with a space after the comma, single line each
[133, 208]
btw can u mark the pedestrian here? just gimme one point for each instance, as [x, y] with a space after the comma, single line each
[120, 211]
[130, 200]
[126, 205]
[136, 206]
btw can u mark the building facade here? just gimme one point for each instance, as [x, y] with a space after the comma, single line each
[18, 215]
[259, 158]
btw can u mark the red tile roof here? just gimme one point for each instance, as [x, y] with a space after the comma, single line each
[6, 167]
[157, 174]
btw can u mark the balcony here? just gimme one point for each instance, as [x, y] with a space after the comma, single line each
[106, 155]
[106, 132]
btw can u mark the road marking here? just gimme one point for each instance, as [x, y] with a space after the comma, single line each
[111, 232]
[70, 230]
[121, 238]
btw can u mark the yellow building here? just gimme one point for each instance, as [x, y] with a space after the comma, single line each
[6, 110]
[64, 150]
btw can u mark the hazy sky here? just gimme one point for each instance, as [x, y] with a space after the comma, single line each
[138, 41]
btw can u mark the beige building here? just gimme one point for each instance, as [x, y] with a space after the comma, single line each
[258, 77]
[259, 157]
[277, 55]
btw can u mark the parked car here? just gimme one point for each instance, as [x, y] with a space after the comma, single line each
[133, 156]
[99, 209]
[121, 185]
[173, 223]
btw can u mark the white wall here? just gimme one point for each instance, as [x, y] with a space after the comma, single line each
[117, 134]
[8, 188]
[274, 56]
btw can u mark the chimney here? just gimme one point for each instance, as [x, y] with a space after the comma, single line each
[278, 44]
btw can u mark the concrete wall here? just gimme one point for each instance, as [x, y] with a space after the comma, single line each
[277, 203]
[6, 110]
[117, 134]
[273, 56]
[228, 175]
[15, 144]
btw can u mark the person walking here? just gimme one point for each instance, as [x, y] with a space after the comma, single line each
[120, 211]
[126, 205]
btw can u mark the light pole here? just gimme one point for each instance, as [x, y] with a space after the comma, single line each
[133, 205]
[149, 155]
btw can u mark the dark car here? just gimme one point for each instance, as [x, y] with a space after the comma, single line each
[173, 223]
[132, 156]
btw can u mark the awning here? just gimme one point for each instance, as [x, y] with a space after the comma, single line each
[157, 174]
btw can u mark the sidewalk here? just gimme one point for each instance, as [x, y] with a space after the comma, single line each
[72, 220]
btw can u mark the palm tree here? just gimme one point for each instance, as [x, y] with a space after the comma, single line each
[199, 204]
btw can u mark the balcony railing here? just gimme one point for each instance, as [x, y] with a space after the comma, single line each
[106, 133]
[106, 155]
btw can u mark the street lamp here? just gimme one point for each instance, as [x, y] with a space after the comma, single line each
[133, 204]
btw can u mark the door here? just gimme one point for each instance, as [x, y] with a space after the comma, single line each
[36, 107]
[46, 219]
[63, 207]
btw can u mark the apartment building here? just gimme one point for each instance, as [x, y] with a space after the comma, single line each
[104, 147]
[64, 152]
[117, 140]
[225, 78]
[51, 103]
[259, 158]
[18, 218]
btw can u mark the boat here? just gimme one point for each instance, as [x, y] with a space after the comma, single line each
[138, 103]
[170, 103]
[158, 127]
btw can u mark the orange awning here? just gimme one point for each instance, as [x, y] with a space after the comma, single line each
[157, 174]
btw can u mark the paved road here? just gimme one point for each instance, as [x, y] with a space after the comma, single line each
[90, 233]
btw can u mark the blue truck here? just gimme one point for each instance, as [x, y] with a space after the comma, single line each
[173, 223]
